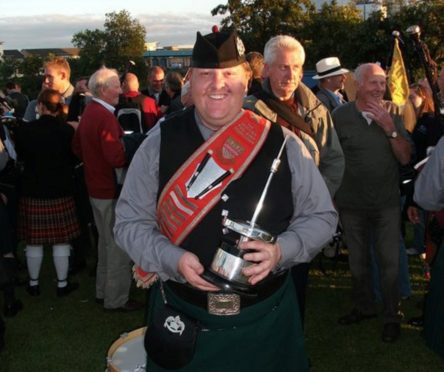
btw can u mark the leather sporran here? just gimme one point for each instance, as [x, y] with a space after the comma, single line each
[170, 339]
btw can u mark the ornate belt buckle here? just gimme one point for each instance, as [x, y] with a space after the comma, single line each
[223, 303]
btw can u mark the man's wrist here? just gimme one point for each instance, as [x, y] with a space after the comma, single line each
[392, 134]
[277, 265]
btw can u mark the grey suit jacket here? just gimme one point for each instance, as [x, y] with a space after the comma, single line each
[326, 98]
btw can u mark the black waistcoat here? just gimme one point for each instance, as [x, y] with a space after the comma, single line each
[180, 137]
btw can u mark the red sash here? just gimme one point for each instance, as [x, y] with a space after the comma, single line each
[232, 149]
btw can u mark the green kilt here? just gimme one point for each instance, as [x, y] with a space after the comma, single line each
[265, 337]
[434, 309]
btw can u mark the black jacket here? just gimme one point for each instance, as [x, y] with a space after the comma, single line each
[44, 148]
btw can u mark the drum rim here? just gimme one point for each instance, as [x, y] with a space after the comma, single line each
[124, 337]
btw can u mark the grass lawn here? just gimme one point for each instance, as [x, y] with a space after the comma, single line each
[73, 334]
[332, 347]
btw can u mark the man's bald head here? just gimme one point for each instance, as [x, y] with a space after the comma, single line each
[130, 83]
[371, 83]
[363, 70]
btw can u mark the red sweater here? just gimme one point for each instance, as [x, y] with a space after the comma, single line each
[97, 143]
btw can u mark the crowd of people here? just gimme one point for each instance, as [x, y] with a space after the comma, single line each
[153, 174]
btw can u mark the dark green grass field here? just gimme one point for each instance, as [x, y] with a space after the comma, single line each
[73, 334]
[333, 347]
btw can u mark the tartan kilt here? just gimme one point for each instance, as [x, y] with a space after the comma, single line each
[47, 221]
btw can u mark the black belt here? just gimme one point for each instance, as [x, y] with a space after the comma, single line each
[199, 298]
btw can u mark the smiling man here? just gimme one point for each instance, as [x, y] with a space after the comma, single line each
[193, 169]
[375, 144]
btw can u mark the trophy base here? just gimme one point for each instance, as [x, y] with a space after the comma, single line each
[229, 286]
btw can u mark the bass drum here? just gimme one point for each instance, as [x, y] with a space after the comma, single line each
[127, 353]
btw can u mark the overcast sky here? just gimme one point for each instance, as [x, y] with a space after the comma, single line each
[49, 23]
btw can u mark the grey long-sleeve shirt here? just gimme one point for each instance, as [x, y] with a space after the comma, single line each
[3, 156]
[137, 232]
[429, 187]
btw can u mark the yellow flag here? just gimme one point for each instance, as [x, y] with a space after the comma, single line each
[397, 78]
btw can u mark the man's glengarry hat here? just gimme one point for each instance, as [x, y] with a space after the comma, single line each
[218, 50]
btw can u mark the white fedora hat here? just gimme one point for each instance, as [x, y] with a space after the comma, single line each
[329, 66]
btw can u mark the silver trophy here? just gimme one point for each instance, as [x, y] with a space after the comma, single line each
[226, 268]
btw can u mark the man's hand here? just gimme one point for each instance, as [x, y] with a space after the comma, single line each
[190, 268]
[400, 146]
[3, 198]
[266, 257]
[381, 116]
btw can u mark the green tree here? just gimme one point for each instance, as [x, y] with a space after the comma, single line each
[31, 81]
[8, 70]
[92, 50]
[429, 16]
[337, 29]
[256, 21]
[125, 39]
[377, 41]
[331, 32]
[122, 39]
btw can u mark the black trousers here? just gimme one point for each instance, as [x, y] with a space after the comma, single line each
[384, 225]
[7, 239]
[299, 274]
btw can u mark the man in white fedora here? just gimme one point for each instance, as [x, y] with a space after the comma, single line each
[331, 76]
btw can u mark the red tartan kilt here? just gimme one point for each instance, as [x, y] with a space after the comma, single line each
[47, 221]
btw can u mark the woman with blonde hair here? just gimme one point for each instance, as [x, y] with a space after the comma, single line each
[422, 100]
[47, 214]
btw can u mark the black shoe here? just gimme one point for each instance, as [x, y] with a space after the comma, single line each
[355, 316]
[33, 290]
[100, 301]
[130, 305]
[65, 291]
[391, 332]
[12, 309]
[417, 321]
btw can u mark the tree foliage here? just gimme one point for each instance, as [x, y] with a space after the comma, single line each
[92, 49]
[26, 72]
[122, 39]
[332, 31]
[336, 29]
[429, 16]
[258, 20]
